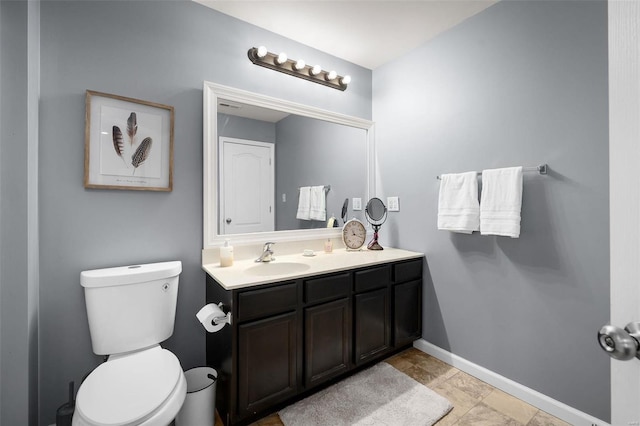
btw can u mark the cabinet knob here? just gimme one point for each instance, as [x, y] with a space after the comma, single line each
[228, 220]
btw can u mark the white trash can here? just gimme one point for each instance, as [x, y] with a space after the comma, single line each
[199, 408]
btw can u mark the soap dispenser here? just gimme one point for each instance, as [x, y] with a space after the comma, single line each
[226, 254]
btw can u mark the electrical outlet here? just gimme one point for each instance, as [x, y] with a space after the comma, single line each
[284, 197]
[357, 204]
[393, 204]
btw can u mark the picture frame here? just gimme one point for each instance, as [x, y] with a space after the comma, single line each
[128, 143]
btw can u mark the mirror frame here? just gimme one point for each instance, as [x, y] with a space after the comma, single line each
[211, 93]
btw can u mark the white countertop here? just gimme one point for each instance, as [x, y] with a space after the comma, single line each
[238, 276]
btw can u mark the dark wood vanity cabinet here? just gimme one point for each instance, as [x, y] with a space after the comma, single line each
[290, 338]
[267, 362]
[327, 327]
[407, 302]
[371, 304]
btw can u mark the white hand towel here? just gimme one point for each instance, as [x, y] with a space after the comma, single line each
[304, 203]
[501, 202]
[318, 209]
[458, 209]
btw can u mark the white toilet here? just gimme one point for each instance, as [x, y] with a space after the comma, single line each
[131, 309]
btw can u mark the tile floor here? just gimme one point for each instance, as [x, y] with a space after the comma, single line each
[474, 401]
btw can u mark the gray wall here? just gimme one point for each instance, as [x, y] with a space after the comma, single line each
[314, 152]
[161, 52]
[246, 128]
[522, 83]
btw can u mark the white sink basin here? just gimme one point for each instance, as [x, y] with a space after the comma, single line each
[276, 268]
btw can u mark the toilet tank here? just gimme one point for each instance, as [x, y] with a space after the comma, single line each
[131, 307]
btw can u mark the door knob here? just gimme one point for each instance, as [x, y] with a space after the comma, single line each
[621, 344]
[228, 220]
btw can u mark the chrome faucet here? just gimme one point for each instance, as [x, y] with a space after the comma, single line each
[267, 253]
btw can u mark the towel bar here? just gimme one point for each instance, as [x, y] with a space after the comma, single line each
[542, 169]
[326, 188]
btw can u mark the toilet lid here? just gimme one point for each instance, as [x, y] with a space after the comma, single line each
[128, 389]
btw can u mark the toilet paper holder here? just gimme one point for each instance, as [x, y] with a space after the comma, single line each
[621, 344]
[222, 320]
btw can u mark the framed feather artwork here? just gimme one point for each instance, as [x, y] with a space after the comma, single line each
[128, 143]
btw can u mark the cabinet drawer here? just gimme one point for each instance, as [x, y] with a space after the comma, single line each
[267, 301]
[371, 279]
[327, 288]
[407, 271]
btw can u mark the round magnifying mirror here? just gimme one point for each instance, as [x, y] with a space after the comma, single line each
[376, 213]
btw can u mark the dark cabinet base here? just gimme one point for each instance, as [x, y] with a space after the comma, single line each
[266, 362]
[372, 324]
[327, 341]
[291, 339]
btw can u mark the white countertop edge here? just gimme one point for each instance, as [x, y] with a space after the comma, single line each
[235, 277]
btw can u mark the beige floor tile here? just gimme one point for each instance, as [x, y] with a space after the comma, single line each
[431, 371]
[469, 384]
[427, 360]
[482, 415]
[510, 406]
[399, 362]
[461, 401]
[449, 419]
[545, 419]
[429, 378]
[272, 420]
[413, 352]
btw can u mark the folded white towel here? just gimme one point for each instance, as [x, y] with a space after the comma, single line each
[304, 203]
[318, 208]
[458, 208]
[501, 202]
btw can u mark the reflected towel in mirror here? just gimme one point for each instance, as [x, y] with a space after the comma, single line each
[304, 203]
[318, 204]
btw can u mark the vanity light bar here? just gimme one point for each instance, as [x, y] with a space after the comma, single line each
[297, 68]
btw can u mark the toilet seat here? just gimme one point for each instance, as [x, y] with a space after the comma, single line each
[129, 389]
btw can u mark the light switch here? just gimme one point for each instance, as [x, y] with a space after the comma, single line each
[393, 204]
[357, 204]
[284, 197]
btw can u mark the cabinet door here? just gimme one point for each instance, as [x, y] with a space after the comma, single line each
[266, 362]
[407, 317]
[372, 324]
[327, 341]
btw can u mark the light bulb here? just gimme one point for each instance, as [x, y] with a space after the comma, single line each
[345, 80]
[315, 70]
[299, 65]
[281, 59]
[261, 52]
[331, 75]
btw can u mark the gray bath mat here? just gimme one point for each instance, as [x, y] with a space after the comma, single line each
[380, 395]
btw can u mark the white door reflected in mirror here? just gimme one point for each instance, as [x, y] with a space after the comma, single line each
[246, 186]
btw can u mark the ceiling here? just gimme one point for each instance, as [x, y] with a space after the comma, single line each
[369, 33]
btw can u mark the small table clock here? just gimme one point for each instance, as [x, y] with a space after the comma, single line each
[354, 234]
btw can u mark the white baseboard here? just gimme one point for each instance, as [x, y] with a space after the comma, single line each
[535, 398]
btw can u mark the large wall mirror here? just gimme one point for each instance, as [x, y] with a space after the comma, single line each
[260, 151]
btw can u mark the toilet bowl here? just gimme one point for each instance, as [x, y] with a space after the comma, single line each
[131, 310]
[144, 388]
